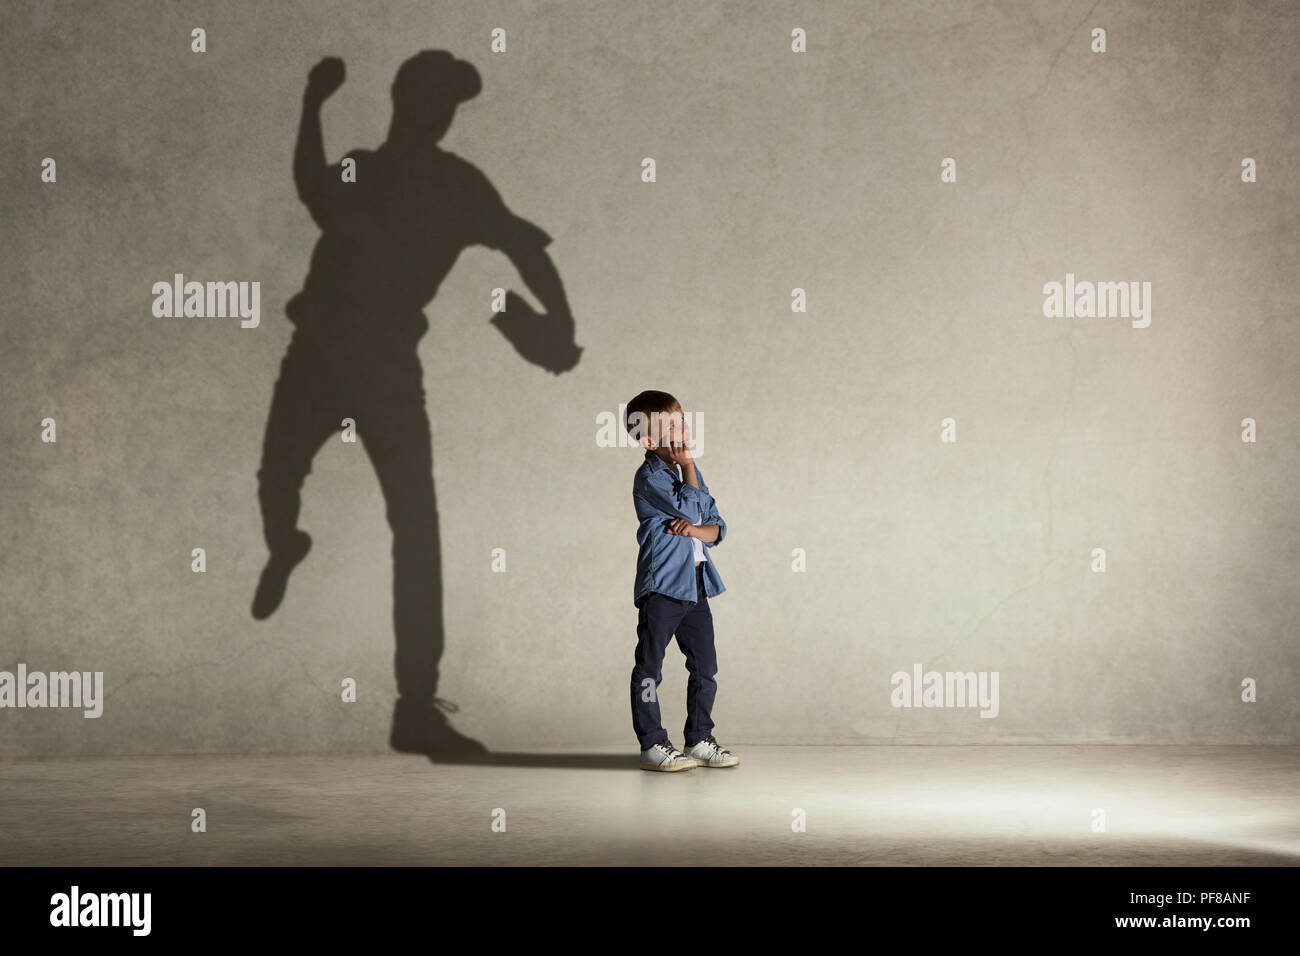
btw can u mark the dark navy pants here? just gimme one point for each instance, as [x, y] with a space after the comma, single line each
[661, 618]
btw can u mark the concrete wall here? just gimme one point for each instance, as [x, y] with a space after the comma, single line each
[775, 170]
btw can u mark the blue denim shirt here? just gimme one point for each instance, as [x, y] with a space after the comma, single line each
[666, 562]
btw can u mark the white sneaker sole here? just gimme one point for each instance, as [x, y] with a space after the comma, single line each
[670, 768]
[733, 761]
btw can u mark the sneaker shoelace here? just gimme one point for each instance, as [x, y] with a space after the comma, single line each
[444, 704]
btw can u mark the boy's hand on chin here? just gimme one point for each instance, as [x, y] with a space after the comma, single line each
[679, 454]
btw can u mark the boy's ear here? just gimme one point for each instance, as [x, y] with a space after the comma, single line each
[646, 442]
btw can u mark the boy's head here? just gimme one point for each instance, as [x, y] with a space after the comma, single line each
[655, 421]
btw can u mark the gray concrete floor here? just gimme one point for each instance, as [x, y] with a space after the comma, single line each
[897, 805]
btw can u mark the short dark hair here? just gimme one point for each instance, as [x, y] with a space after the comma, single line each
[642, 409]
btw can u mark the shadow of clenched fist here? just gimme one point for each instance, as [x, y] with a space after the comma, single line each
[325, 77]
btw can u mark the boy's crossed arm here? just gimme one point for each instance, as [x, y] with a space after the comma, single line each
[677, 506]
[708, 533]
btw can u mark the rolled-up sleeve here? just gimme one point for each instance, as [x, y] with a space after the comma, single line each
[711, 515]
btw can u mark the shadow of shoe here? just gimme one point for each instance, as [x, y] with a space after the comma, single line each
[275, 576]
[426, 730]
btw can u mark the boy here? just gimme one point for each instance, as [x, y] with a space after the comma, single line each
[678, 519]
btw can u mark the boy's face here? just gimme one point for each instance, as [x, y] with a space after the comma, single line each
[671, 431]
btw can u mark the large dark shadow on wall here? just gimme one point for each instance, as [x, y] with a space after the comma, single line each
[392, 227]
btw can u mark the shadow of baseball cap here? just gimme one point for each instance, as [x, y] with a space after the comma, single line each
[435, 76]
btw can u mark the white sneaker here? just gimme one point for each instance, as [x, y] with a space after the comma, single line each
[664, 756]
[709, 753]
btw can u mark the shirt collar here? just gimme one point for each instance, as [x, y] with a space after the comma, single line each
[655, 462]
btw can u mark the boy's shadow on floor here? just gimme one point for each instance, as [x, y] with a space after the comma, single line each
[394, 220]
[561, 761]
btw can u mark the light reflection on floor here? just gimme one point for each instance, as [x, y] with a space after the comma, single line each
[894, 805]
